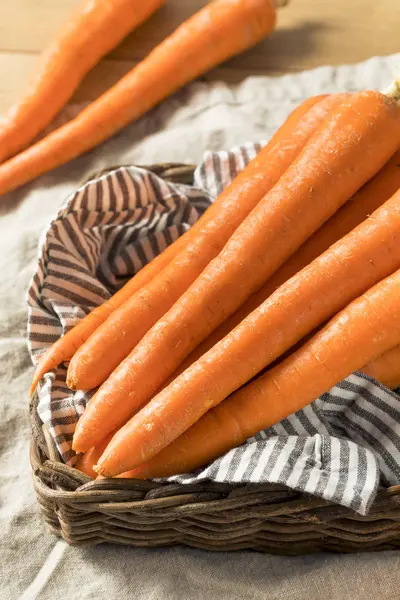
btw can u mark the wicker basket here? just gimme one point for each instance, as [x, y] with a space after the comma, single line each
[263, 517]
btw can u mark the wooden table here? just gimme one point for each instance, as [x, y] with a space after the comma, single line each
[310, 33]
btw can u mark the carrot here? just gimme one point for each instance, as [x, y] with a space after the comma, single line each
[95, 29]
[220, 30]
[234, 203]
[354, 143]
[366, 328]
[87, 461]
[385, 368]
[372, 195]
[110, 344]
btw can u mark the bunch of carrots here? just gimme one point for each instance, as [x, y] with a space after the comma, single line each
[288, 283]
[222, 29]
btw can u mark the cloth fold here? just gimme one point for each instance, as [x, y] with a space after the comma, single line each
[341, 447]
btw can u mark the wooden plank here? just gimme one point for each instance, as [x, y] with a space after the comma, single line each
[14, 72]
[309, 34]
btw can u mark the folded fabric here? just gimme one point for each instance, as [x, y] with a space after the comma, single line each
[341, 447]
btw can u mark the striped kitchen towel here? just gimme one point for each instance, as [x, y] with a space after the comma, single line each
[341, 447]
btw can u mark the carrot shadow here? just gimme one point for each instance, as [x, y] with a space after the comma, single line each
[286, 50]
[153, 31]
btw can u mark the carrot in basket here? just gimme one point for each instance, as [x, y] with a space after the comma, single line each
[220, 30]
[353, 144]
[110, 344]
[385, 368]
[95, 29]
[372, 195]
[366, 328]
[87, 461]
[229, 208]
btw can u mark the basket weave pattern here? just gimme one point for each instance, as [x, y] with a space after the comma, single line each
[264, 517]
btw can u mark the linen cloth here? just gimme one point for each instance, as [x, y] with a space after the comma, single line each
[33, 563]
[340, 447]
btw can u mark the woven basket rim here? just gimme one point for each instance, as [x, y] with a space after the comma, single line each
[46, 461]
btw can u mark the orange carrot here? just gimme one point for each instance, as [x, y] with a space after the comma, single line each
[110, 344]
[385, 368]
[367, 327]
[87, 461]
[372, 195]
[234, 203]
[220, 30]
[353, 144]
[95, 29]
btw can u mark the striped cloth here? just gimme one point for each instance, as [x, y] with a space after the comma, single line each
[341, 447]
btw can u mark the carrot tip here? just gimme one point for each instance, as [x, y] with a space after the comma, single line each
[76, 446]
[71, 383]
[79, 445]
[35, 381]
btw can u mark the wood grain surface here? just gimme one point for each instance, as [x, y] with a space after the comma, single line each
[310, 33]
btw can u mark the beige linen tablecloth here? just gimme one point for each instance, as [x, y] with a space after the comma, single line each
[34, 564]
